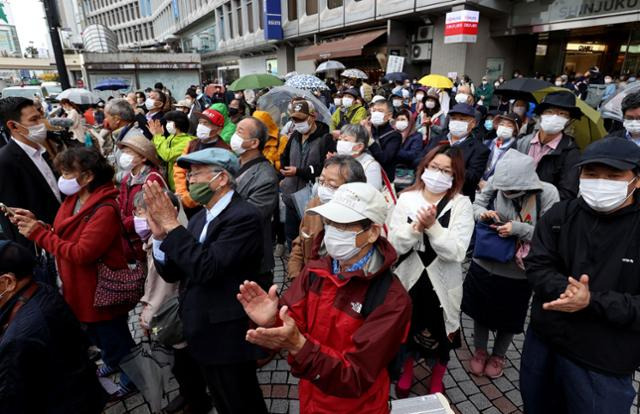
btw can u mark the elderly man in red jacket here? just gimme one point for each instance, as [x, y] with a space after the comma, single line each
[345, 316]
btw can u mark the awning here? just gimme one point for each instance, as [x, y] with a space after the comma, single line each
[349, 46]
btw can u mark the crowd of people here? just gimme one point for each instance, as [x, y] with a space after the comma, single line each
[409, 206]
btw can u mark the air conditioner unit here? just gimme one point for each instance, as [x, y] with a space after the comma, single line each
[421, 51]
[423, 34]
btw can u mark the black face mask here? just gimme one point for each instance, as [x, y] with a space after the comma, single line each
[234, 111]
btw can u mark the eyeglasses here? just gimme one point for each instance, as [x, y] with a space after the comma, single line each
[326, 184]
[191, 174]
[434, 167]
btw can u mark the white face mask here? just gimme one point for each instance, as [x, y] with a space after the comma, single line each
[125, 161]
[149, 104]
[345, 147]
[520, 110]
[558, 83]
[430, 104]
[419, 97]
[458, 128]
[325, 194]
[203, 131]
[377, 118]
[337, 101]
[462, 98]
[37, 133]
[604, 195]
[436, 182]
[632, 126]
[347, 102]
[68, 186]
[496, 84]
[553, 124]
[302, 127]
[236, 144]
[402, 125]
[171, 127]
[397, 103]
[504, 132]
[341, 245]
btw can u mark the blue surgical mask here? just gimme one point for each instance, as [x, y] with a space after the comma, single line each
[488, 124]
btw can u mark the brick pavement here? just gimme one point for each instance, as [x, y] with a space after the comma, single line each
[468, 394]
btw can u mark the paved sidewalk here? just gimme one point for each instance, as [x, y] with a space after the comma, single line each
[468, 394]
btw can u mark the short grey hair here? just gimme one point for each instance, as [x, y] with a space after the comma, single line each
[388, 108]
[350, 168]
[232, 180]
[138, 199]
[359, 132]
[121, 108]
[259, 132]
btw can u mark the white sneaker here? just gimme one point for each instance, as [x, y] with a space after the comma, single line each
[279, 250]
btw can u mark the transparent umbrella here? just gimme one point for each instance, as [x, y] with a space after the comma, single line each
[612, 109]
[79, 96]
[276, 103]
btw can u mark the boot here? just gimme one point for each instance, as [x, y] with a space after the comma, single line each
[403, 387]
[437, 373]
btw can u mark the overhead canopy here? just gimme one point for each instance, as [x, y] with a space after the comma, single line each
[349, 46]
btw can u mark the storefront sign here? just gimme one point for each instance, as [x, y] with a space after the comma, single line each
[395, 64]
[461, 26]
[272, 20]
[530, 13]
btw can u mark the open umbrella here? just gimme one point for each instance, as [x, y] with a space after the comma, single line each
[612, 109]
[436, 81]
[521, 88]
[290, 75]
[255, 81]
[306, 82]
[79, 96]
[396, 76]
[111, 85]
[329, 65]
[277, 100]
[354, 73]
[587, 129]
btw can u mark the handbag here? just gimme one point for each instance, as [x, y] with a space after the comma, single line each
[165, 325]
[119, 286]
[490, 246]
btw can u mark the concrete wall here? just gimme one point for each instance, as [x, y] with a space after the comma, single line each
[303, 66]
[254, 64]
[177, 81]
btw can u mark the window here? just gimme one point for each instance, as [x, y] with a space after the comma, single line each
[220, 15]
[261, 14]
[332, 4]
[250, 28]
[238, 6]
[292, 10]
[311, 7]
[229, 19]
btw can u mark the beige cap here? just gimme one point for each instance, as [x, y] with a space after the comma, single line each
[142, 146]
[353, 202]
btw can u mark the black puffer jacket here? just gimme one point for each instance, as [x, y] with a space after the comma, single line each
[571, 239]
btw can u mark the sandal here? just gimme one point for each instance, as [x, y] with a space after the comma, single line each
[106, 370]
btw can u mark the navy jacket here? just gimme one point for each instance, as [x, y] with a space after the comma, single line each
[44, 367]
[410, 149]
[385, 149]
[215, 324]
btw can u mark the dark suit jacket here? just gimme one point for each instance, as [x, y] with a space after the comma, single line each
[475, 154]
[22, 185]
[215, 324]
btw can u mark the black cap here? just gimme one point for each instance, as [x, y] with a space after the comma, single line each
[619, 153]
[513, 117]
[463, 109]
[351, 91]
[15, 259]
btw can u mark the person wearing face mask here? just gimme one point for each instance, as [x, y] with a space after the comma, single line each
[39, 332]
[521, 108]
[339, 338]
[236, 111]
[412, 141]
[257, 183]
[229, 127]
[630, 108]
[353, 141]
[397, 101]
[352, 112]
[386, 139]
[338, 170]
[431, 119]
[208, 136]
[583, 269]
[169, 148]
[610, 89]
[86, 233]
[462, 134]
[555, 152]
[155, 104]
[418, 102]
[191, 105]
[74, 114]
[507, 126]
[489, 128]
[496, 291]
[430, 228]
[139, 160]
[33, 180]
[302, 161]
[484, 93]
[225, 239]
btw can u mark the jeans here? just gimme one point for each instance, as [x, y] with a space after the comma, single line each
[114, 340]
[550, 383]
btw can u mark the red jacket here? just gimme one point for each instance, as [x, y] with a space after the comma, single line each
[78, 241]
[125, 199]
[343, 365]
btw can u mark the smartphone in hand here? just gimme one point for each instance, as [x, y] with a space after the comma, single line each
[7, 211]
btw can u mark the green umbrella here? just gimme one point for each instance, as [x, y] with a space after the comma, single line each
[255, 81]
[587, 129]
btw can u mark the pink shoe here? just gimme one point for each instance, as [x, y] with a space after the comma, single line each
[437, 373]
[495, 367]
[478, 362]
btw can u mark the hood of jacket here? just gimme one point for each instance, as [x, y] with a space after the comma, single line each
[266, 119]
[516, 172]
[229, 127]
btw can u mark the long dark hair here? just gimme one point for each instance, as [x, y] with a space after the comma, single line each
[457, 167]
